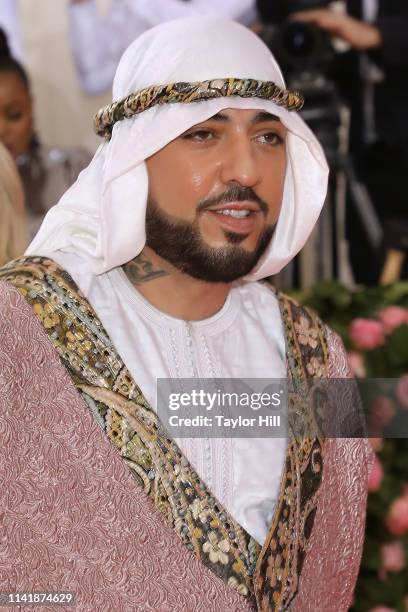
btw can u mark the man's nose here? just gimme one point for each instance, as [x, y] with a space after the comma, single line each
[240, 164]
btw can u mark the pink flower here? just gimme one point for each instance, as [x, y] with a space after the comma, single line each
[392, 317]
[381, 609]
[393, 557]
[381, 412]
[397, 519]
[356, 363]
[376, 476]
[366, 334]
[401, 391]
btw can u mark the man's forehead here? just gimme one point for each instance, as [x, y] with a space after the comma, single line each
[247, 115]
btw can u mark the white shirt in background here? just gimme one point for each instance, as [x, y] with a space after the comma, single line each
[370, 10]
[10, 24]
[99, 42]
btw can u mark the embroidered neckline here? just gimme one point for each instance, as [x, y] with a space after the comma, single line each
[218, 322]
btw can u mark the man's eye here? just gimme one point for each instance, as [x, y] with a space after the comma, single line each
[199, 135]
[271, 138]
[14, 115]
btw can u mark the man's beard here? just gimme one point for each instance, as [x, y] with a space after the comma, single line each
[180, 243]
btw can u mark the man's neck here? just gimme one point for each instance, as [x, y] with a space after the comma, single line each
[173, 292]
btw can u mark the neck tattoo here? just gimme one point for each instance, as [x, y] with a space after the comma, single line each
[140, 270]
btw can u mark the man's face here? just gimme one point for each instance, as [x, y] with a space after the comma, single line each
[215, 194]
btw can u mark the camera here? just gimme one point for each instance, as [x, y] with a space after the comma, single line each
[308, 61]
[297, 46]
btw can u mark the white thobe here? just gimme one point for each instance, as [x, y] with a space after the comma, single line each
[245, 339]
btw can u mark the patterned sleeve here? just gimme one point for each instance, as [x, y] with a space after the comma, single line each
[332, 564]
[339, 368]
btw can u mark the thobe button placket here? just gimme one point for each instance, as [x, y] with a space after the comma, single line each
[194, 374]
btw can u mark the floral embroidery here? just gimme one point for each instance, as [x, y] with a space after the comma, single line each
[78, 343]
[241, 588]
[46, 315]
[308, 336]
[315, 367]
[216, 549]
[199, 510]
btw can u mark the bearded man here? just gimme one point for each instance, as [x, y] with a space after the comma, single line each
[149, 268]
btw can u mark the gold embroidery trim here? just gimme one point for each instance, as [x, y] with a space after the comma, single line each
[282, 556]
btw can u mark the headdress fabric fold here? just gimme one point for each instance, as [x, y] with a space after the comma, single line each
[102, 216]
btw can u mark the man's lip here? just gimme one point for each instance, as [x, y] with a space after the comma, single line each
[251, 206]
[244, 225]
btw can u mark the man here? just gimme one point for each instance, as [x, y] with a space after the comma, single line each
[208, 182]
[98, 42]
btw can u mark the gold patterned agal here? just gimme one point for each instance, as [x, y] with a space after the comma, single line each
[184, 93]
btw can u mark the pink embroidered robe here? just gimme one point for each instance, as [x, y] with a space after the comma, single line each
[73, 518]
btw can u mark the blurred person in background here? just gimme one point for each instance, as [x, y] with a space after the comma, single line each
[13, 231]
[98, 42]
[46, 172]
[375, 81]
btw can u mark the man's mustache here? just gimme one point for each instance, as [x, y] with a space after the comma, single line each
[235, 193]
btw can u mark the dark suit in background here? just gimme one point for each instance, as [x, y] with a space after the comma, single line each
[383, 164]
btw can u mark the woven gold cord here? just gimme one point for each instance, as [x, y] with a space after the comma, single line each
[185, 93]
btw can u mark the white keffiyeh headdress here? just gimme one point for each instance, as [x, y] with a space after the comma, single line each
[102, 216]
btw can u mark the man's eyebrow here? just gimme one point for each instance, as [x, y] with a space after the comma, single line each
[264, 116]
[259, 117]
[219, 117]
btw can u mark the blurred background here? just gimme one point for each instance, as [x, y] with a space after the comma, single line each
[350, 59]
[39, 37]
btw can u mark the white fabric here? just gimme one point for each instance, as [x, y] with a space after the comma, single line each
[102, 216]
[243, 340]
[9, 22]
[98, 42]
[370, 10]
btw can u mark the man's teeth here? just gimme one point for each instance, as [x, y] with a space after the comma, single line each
[239, 214]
